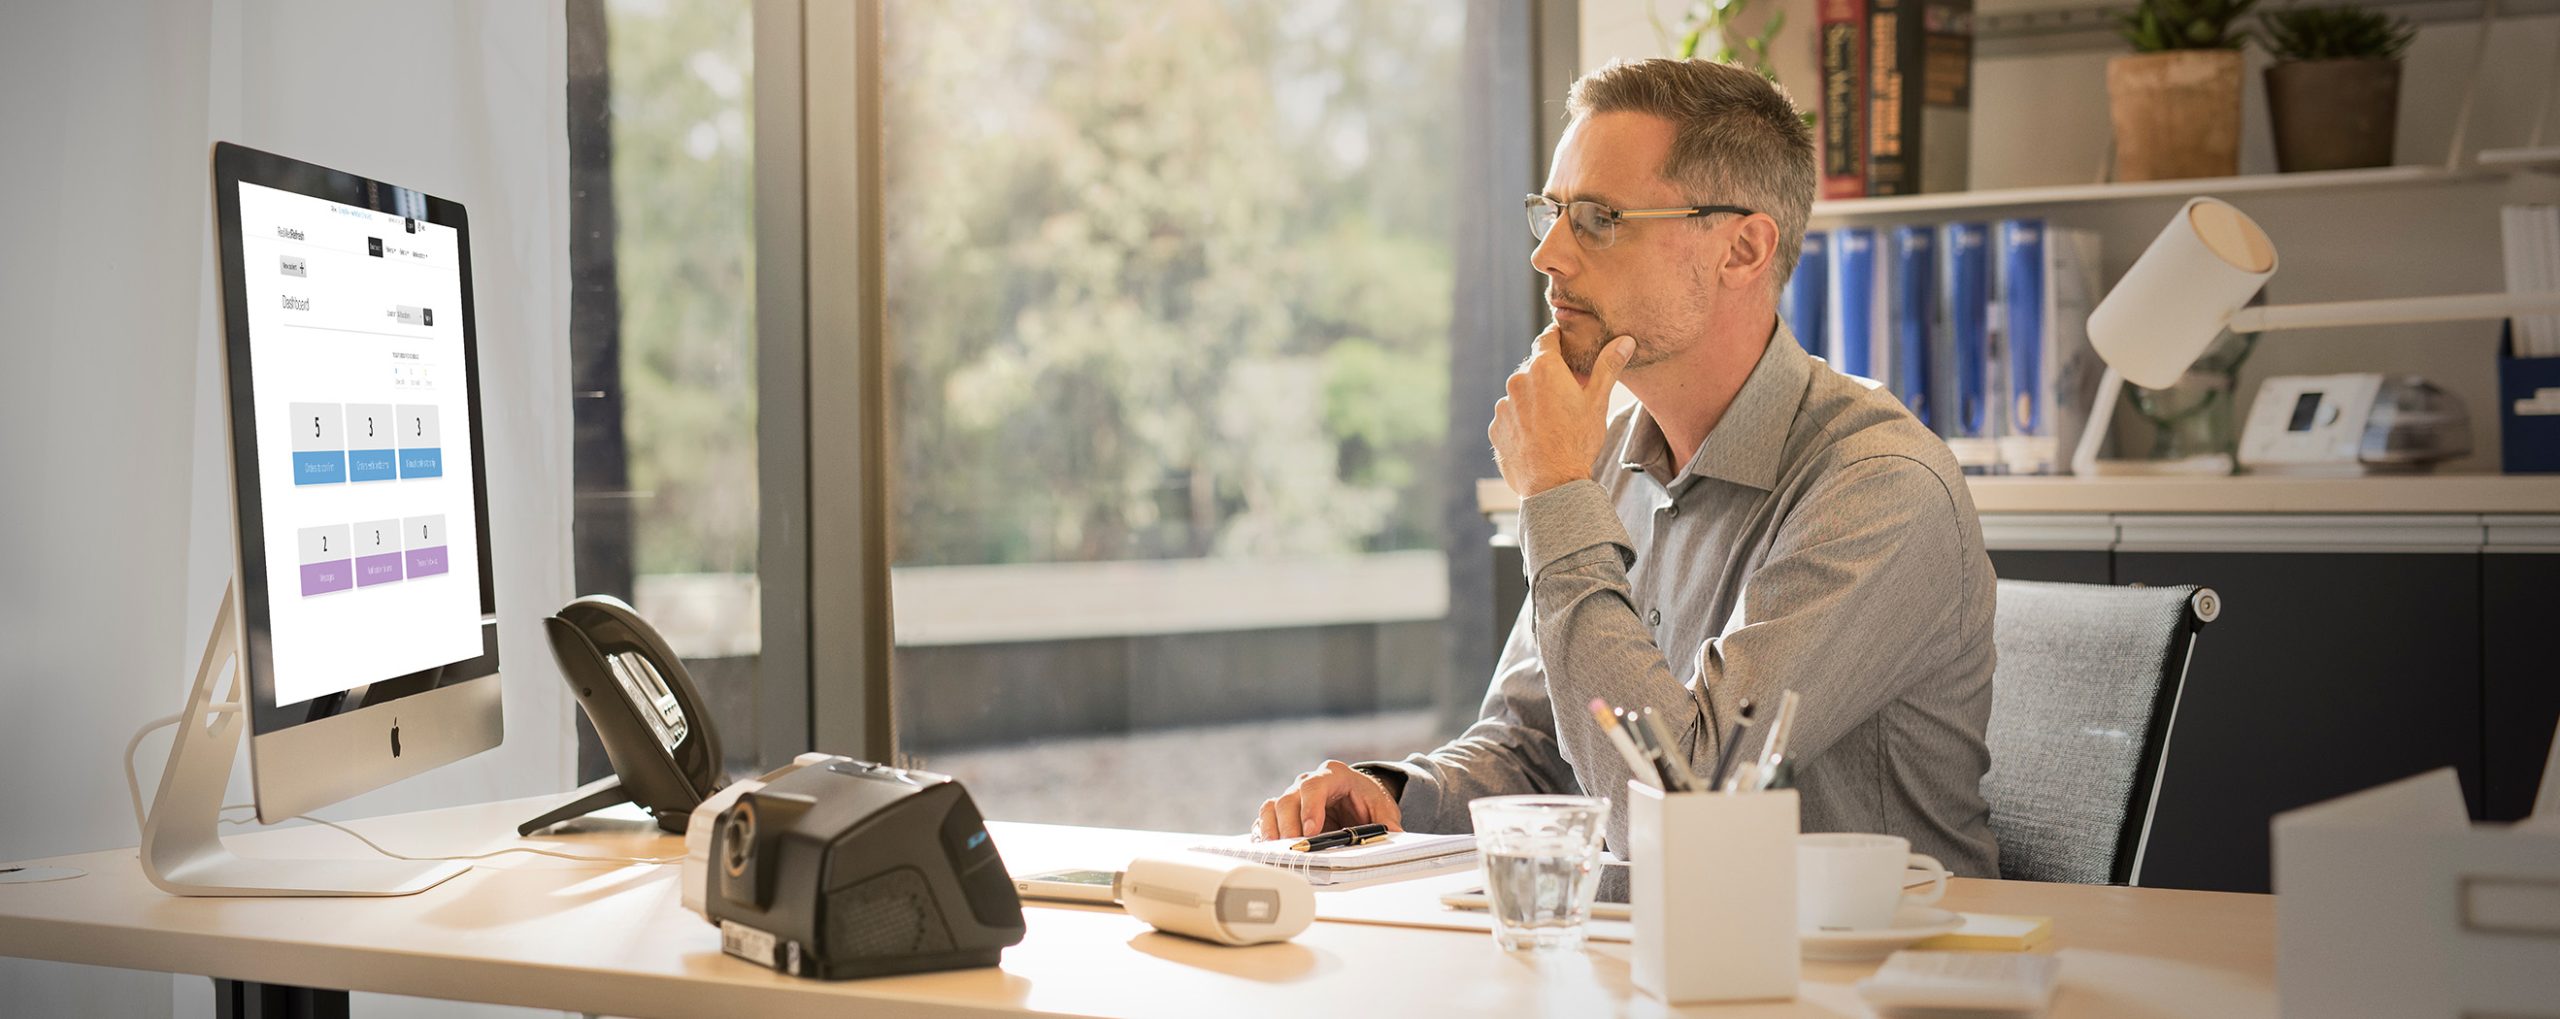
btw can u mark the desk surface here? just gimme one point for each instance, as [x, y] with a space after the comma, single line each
[537, 932]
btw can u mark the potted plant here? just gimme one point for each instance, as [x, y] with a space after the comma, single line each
[1713, 25]
[2175, 100]
[2334, 90]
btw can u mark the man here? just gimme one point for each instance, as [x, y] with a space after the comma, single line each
[1756, 523]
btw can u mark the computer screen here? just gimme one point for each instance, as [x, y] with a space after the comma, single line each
[365, 443]
[363, 573]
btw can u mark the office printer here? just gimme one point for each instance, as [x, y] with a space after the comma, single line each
[837, 868]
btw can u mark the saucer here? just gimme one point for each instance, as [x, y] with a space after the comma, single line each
[1910, 923]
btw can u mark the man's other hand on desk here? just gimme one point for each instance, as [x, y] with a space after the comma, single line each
[1332, 796]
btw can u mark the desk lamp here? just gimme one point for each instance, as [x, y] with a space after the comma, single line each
[2193, 282]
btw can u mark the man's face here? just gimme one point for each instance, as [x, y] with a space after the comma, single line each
[1657, 282]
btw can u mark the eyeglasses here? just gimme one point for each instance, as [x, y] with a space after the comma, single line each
[1598, 224]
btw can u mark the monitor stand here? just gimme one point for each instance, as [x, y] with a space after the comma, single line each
[182, 849]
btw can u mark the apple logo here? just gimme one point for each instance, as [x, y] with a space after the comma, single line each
[395, 737]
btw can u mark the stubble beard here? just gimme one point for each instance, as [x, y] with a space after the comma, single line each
[1598, 331]
[1583, 350]
[1581, 342]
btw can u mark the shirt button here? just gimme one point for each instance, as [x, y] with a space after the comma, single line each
[1653, 618]
[1672, 510]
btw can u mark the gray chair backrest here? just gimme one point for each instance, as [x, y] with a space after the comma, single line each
[2082, 702]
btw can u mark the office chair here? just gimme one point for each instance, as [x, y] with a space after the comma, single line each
[2083, 702]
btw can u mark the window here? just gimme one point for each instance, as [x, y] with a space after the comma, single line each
[1168, 303]
[1112, 343]
[663, 335]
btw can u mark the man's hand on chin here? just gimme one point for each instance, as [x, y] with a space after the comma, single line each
[1548, 429]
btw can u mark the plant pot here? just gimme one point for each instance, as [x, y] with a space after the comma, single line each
[2333, 114]
[2176, 114]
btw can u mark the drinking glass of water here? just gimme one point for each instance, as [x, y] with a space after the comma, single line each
[1541, 866]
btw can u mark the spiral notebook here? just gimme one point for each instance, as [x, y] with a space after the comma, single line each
[1402, 854]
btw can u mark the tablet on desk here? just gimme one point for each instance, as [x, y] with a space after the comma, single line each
[1611, 903]
[1473, 900]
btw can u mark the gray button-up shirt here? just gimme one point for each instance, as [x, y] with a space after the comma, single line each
[1820, 540]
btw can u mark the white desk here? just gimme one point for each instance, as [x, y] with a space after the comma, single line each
[580, 937]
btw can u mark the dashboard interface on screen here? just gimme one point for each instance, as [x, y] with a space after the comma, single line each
[362, 423]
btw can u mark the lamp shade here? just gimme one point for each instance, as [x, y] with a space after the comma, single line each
[2204, 266]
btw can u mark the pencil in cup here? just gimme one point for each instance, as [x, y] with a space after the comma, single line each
[1732, 745]
[1772, 768]
[1675, 765]
[1636, 762]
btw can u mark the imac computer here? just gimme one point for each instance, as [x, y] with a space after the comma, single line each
[361, 619]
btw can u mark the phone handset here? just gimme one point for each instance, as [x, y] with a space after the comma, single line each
[653, 724]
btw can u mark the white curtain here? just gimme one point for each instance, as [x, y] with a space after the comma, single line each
[115, 507]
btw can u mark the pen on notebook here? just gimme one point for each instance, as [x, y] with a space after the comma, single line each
[1773, 754]
[1732, 745]
[1358, 834]
[1618, 738]
[1675, 764]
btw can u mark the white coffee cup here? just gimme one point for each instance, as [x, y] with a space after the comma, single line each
[1853, 882]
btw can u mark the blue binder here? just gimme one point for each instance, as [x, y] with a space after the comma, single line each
[1852, 306]
[1915, 314]
[1807, 292]
[2022, 316]
[1968, 308]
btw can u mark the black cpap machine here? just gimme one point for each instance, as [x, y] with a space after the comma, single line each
[836, 868]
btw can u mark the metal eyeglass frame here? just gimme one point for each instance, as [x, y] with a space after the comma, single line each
[1592, 234]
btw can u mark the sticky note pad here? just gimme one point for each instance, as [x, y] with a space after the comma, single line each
[1993, 932]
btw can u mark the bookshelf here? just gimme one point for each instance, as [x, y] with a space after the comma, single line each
[2265, 493]
[2534, 495]
[1853, 210]
[2537, 159]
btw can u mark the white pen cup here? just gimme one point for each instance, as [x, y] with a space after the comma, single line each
[1853, 882]
[1713, 895]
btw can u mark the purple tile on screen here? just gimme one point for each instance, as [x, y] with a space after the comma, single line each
[426, 562]
[322, 578]
[377, 569]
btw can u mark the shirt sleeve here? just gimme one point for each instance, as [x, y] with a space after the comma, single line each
[1846, 607]
[1510, 749]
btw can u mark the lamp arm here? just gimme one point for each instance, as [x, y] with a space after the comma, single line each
[2394, 311]
[2102, 415]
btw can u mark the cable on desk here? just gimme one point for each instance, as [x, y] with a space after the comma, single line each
[133, 788]
[369, 843]
[132, 785]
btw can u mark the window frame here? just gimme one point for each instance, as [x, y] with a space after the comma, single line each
[822, 370]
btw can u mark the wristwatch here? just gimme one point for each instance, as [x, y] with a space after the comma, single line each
[1387, 778]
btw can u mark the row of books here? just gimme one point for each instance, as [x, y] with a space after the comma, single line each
[1980, 328]
[2532, 238]
[1897, 96]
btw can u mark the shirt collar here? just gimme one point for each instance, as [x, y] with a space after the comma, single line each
[1747, 444]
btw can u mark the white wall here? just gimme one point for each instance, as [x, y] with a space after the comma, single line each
[115, 511]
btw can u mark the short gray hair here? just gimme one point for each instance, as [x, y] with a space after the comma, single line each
[1738, 140]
